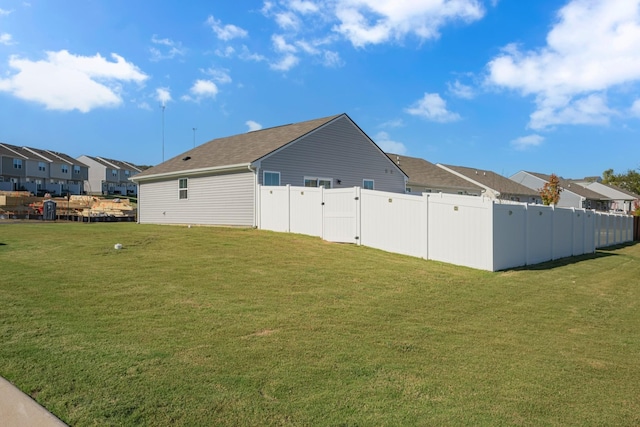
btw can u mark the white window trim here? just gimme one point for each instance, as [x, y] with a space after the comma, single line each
[317, 179]
[17, 163]
[264, 173]
[373, 182]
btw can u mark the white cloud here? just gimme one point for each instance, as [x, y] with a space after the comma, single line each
[433, 107]
[253, 125]
[286, 63]
[387, 145]
[171, 49]
[303, 7]
[395, 123]
[226, 32]
[461, 90]
[365, 22]
[64, 81]
[525, 142]
[287, 20]
[201, 89]
[4, 12]
[247, 55]
[281, 45]
[220, 76]
[163, 95]
[6, 39]
[591, 49]
[635, 108]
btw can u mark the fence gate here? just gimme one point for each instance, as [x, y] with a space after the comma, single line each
[341, 216]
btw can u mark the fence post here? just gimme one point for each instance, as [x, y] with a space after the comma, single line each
[288, 208]
[358, 199]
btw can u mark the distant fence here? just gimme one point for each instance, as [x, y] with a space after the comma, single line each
[471, 231]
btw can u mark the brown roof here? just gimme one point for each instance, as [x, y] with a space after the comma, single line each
[237, 149]
[427, 174]
[494, 181]
[574, 187]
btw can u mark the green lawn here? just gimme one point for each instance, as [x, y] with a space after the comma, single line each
[221, 326]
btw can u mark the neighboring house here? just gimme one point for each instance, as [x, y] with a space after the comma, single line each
[38, 171]
[572, 195]
[426, 177]
[216, 182]
[495, 186]
[621, 199]
[108, 176]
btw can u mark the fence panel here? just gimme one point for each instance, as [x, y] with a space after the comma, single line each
[509, 236]
[460, 230]
[274, 208]
[561, 232]
[539, 234]
[589, 232]
[305, 215]
[394, 222]
[341, 219]
[578, 232]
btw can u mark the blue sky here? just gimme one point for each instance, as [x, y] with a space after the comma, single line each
[505, 85]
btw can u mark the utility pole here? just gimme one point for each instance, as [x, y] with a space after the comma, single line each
[162, 106]
[194, 137]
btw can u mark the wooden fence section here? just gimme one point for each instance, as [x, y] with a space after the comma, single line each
[470, 231]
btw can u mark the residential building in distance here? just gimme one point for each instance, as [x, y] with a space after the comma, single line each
[108, 176]
[621, 200]
[496, 186]
[426, 177]
[572, 195]
[40, 171]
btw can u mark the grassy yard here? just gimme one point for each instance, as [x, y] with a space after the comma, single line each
[217, 326]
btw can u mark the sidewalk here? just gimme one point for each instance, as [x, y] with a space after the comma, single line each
[19, 410]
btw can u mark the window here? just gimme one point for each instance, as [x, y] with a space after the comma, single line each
[42, 166]
[367, 184]
[408, 189]
[17, 163]
[65, 169]
[317, 182]
[114, 172]
[127, 173]
[271, 178]
[76, 170]
[182, 185]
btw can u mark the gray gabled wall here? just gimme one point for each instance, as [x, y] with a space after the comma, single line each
[339, 151]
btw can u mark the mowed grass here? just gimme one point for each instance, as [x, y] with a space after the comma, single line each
[221, 326]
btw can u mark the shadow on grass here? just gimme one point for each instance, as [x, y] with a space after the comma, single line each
[600, 253]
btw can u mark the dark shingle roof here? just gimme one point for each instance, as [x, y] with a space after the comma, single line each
[494, 181]
[237, 149]
[427, 174]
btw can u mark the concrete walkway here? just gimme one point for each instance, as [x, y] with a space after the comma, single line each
[20, 410]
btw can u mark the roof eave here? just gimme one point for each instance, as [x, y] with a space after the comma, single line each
[192, 172]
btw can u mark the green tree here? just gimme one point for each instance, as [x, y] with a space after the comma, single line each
[629, 181]
[550, 191]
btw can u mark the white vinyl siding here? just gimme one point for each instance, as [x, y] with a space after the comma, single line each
[213, 200]
[339, 150]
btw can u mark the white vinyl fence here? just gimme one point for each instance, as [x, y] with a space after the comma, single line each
[471, 231]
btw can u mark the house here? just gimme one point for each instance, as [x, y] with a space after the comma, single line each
[426, 177]
[108, 176]
[495, 186]
[621, 199]
[39, 170]
[572, 195]
[216, 183]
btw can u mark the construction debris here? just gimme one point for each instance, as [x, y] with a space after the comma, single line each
[16, 204]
